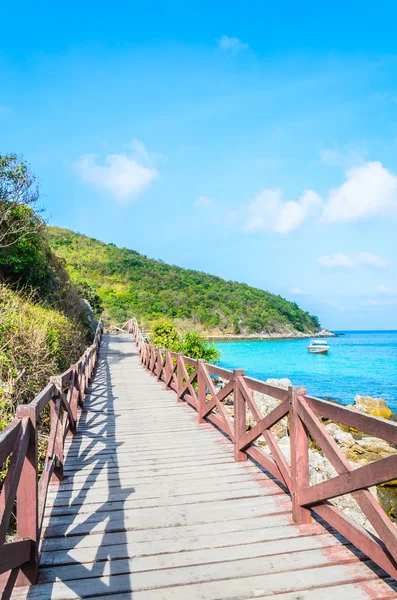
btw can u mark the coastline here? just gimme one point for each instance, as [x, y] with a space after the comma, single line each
[270, 336]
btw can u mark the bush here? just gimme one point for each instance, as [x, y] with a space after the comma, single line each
[35, 343]
[165, 335]
[190, 343]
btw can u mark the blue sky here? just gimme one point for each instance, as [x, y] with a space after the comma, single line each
[253, 140]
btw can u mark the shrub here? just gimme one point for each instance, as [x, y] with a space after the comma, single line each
[35, 343]
[190, 343]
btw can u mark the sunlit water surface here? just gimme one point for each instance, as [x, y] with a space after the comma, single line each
[359, 362]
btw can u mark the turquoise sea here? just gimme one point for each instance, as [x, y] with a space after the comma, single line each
[359, 362]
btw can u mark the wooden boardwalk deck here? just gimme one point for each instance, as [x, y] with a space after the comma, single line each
[154, 507]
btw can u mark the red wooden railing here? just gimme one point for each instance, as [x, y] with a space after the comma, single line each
[19, 442]
[179, 373]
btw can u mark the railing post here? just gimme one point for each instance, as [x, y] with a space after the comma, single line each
[27, 500]
[160, 364]
[56, 421]
[168, 368]
[152, 358]
[240, 426]
[74, 392]
[80, 381]
[299, 457]
[179, 377]
[202, 390]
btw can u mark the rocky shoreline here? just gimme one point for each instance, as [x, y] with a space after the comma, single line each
[359, 448]
[324, 333]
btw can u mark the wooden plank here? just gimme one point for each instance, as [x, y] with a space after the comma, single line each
[154, 492]
[14, 554]
[207, 556]
[219, 372]
[364, 477]
[174, 516]
[257, 385]
[376, 426]
[147, 547]
[8, 437]
[267, 525]
[299, 456]
[121, 502]
[42, 399]
[266, 462]
[362, 539]
[11, 481]
[172, 485]
[223, 468]
[275, 575]
[265, 423]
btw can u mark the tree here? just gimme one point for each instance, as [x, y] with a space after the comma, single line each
[195, 346]
[165, 335]
[18, 200]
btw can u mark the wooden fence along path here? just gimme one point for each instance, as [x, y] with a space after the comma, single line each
[148, 499]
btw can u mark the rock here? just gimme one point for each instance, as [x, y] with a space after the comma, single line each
[332, 428]
[343, 438]
[376, 445]
[89, 314]
[372, 406]
[325, 333]
[281, 383]
[387, 495]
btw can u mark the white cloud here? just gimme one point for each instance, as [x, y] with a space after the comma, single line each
[232, 44]
[141, 154]
[362, 259]
[370, 190]
[336, 260]
[367, 259]
[204, 202]
[268, 211]
[382, 289]
[297, 292]
[121, 175]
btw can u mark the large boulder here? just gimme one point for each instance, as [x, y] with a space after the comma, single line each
[89, 314]
[372, 406]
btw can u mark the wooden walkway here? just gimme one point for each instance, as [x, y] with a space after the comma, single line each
[154, 507]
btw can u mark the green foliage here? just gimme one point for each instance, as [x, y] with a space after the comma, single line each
[165, 335]
[196, 347]
[35, 343]
[129, 283]
[190, 343]
[27, 262]
[87, 291]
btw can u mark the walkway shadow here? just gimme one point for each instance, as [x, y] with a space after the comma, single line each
[65, 529]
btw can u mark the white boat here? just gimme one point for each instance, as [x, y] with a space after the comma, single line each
[318, 347]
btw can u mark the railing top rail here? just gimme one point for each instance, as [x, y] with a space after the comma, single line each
[376, 426]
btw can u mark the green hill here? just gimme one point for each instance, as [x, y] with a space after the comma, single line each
[124, 282]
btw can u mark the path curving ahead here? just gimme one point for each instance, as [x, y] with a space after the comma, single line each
[154, 507]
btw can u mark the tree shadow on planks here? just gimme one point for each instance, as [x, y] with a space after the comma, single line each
[91, 458]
